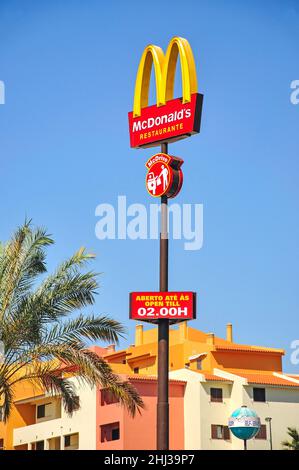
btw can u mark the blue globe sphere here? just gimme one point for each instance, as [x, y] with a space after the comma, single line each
[244, 423]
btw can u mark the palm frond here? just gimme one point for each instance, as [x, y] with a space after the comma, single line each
[77, 330]
[21, 260]
[94, 370]
[40, 308]
[294, 443]
[39, 340]
[293, 433]
[6, 396]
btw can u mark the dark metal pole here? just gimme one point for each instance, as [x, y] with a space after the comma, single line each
[270, 427]
[268, 419]
[163, 334]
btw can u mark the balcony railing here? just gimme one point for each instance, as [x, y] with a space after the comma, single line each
[38, 432]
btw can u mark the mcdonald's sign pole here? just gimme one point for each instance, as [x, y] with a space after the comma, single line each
[171, 119]
[163, 333]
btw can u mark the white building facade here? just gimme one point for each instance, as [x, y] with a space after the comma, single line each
[211, 398]
[54, 429]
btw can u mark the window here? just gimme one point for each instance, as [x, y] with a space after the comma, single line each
[259, 394]
[262, 434]
[71, 441]
[115, 434]
[226, 433]
[216, 394]
[220, 432]
[136, 370]
[110, 432]
[40, 445]
[1, 444]
[41, 411]
[107, 397]
[198, 364]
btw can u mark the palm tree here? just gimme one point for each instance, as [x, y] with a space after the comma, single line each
[36, 335]
[294, 443]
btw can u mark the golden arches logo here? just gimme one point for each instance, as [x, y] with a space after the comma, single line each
[165, 67]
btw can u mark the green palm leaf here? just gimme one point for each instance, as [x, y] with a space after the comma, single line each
[38, 337]
[293, 444]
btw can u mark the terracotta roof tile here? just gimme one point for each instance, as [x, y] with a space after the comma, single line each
[247, 348]
[152, 378]
[266, 379]
[213, 377]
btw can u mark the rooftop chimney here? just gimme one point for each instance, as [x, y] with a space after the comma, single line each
[183, 328]
[210, 338]
[229, 332]
[139, 335]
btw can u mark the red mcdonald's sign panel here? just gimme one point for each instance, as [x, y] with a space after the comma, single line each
[173, 121]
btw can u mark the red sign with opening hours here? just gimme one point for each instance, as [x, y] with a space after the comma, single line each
[152, 306]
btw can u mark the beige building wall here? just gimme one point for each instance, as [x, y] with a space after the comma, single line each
[237, 399]
[213, 413]
[50, 430]
[192, 409]
[282, 405]
[200, 413]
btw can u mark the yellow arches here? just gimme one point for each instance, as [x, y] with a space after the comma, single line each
[164, 67]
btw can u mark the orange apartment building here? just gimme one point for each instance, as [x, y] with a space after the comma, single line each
[209, 378]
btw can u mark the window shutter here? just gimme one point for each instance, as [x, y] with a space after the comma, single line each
[262, 434]
[263, 431]
[214, 431]
[226, 433]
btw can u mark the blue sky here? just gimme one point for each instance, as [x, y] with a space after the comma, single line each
[69, 69]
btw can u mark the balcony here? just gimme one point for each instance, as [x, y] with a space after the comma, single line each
[38, 432]
[55, 434]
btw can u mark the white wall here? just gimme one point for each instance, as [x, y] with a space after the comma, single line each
[282, 406]
[200, 413]
[192, 410]
[214, 413]
[83, 422]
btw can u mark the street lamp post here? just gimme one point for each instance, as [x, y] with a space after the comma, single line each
[268, 420]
